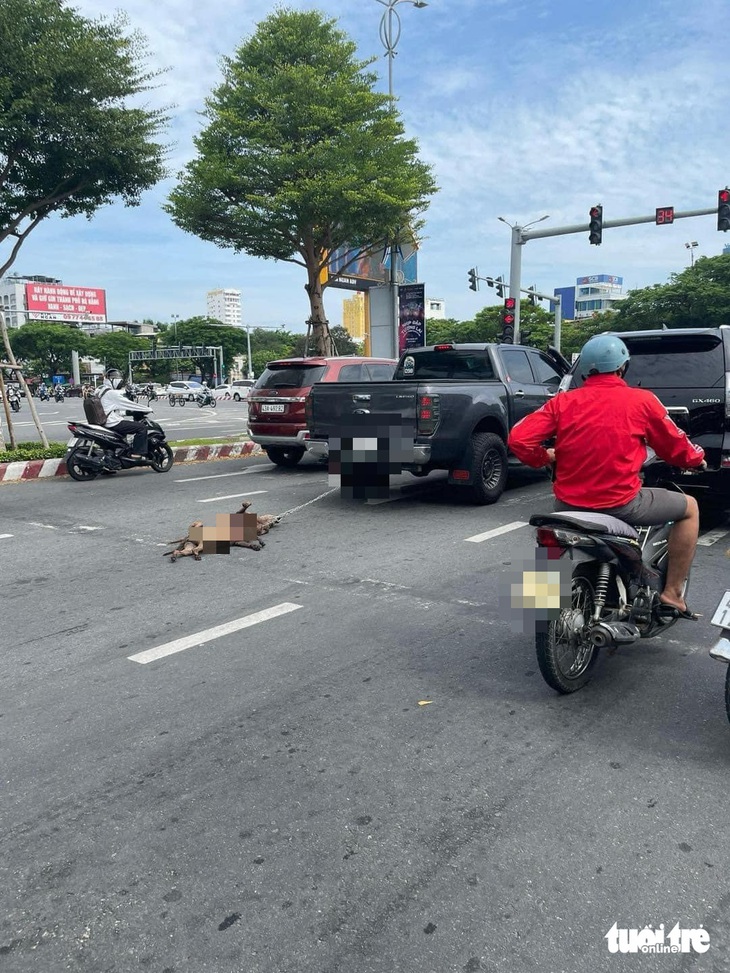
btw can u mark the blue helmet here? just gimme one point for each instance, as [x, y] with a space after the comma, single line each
[603, 353]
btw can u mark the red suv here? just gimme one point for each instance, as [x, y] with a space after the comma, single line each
[276, 418]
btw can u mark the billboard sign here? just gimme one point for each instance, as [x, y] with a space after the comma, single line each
[411, 317]
[56, 302]
[601, 279]
[360, 271]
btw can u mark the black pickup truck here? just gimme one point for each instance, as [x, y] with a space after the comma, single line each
[453, 405]
[688, 369]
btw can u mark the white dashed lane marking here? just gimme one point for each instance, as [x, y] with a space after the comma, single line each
[209, 634]
[3, 536]
[232, 496]
[496, 531]
[712, 537]
[216, 476]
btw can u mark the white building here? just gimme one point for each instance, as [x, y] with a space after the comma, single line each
[590, 295]
[224, 305]
[12, 297]
[435, 308]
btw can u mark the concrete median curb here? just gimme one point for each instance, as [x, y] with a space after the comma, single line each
[44, 469]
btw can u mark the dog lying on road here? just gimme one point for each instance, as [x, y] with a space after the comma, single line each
[195, 543]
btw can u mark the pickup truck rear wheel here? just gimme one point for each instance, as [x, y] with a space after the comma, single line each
[284, 455]
[488, 467]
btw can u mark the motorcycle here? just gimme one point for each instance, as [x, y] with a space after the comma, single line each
[43, 394]
[58, 394]
[13, 400]
[95, 449]
[617, 575]
[720, 651]
[205, 397]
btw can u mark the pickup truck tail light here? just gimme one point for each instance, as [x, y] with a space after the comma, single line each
[727, 398]
[308, 410]
[429, 413]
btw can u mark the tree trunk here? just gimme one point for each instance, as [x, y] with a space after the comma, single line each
[21, 378]
[321, 339]
[8, 418]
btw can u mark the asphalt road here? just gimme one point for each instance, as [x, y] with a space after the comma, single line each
[189, 422]
[279, 798]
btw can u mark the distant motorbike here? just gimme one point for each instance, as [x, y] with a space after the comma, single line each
[95, 449]
[13, 400]
[617, 573]
[58, 394]
[43, 394]
[205, 397]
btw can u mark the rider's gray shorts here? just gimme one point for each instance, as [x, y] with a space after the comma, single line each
[651, 505]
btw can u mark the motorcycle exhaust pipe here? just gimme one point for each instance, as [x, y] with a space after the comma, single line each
[602, 637]
[89, 462]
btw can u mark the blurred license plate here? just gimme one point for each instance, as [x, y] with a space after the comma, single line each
[273, 407]
[721, 618]
[72, 441]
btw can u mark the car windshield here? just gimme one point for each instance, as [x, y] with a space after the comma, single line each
[289, 376]
[672, 361]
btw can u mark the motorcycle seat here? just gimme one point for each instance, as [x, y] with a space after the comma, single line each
[586, 520]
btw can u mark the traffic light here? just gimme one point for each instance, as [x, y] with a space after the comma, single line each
[595, 226]
[532, 296]
[473, 282]
[525, 336]
[499, 282]
[723, 210]
[508, 321]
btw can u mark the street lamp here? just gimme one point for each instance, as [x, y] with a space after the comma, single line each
[174, 318]
[692, 247]
[390, 29]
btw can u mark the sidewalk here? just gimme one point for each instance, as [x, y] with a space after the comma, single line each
[43, 469]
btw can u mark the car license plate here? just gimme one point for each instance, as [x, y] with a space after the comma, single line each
[721, 618]
[273, 407]
[72, 442]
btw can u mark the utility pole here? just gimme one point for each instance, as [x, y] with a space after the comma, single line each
[521, 235]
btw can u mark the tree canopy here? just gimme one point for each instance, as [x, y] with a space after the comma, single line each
[69, 139]
[301, 156]
[47, 347]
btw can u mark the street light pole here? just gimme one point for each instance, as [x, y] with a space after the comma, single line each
[692, 247]
[390, 30]
[249, 368]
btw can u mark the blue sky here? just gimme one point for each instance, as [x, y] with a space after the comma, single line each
[523, 107]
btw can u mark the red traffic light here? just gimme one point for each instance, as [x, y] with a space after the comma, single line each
[510, 303]
[595, 212]
[509, 318]
[723, 196]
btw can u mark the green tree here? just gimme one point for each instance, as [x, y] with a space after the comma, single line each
[113, 349]
[70, 141]
[342, 342]
[207, 332]
[698, 297]
[47, 347]
[301, 156]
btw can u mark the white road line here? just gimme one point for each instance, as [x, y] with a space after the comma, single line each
[217, 476]
[190, 641]
[34, 523]
[232, 496]
[496, 531]
[2, 536]
[712, 536]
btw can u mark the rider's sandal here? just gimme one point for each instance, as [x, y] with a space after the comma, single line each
[670, 611]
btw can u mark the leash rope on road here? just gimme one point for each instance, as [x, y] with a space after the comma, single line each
[302, 505]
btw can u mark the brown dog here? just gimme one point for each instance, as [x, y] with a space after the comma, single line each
[264, 522]
[185, 546]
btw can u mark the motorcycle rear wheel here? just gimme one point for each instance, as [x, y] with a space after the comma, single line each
[76, 472]
[161, 457]
[564, 652]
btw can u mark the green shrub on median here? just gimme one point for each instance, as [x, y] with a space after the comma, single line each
[28, 451]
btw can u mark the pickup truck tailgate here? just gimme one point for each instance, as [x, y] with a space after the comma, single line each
[333, 404]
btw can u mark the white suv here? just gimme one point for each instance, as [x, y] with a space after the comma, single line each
[189, 389]
[241, 387]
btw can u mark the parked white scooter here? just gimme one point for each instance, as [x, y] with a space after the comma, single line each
[721, 649]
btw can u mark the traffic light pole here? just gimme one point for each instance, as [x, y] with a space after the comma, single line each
[520, 238]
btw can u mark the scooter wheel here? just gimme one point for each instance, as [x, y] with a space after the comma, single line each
[161, 457]
[77, 472]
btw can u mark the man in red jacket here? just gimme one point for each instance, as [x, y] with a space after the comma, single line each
[601, 433]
